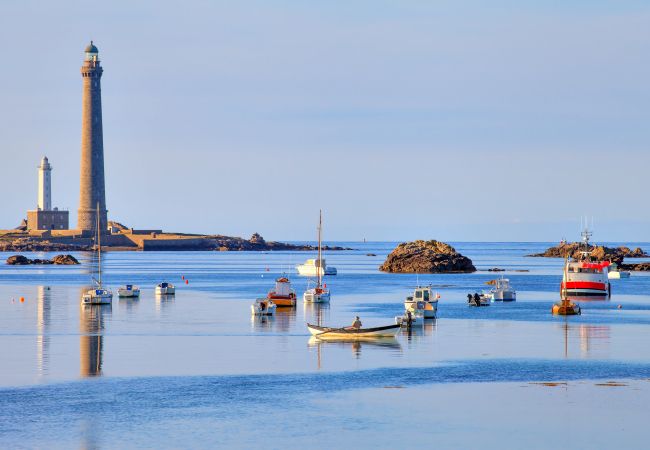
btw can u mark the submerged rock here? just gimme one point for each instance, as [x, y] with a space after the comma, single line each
[426, 257]
[20, 260]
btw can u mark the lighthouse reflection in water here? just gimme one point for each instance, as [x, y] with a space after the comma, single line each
[91, 340]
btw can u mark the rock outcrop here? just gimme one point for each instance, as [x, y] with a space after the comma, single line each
[426, 257]
[598, 252]
[639, 267]
[20, 260]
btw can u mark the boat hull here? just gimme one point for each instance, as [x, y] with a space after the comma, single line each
[353, 334]
[570, 309]
[283, 302]
[618, 275]
[428, 312]
[315, 297]
[128, 293]
[504, 296]
[165, 291]
[263, 308]
[97, 299]
[311, 271]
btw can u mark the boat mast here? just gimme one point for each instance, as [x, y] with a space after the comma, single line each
[320, 260]
[99, 248]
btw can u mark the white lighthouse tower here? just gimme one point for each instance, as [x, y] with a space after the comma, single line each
[44, 217]
[45, 185]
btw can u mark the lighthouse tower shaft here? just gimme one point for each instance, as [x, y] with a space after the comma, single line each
[92, 191]
[45, 185]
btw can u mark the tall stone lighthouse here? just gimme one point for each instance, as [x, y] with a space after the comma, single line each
[92, 193]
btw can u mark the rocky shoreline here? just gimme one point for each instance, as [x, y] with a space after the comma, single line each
[426, 257]
[598, 252]
[184, 243]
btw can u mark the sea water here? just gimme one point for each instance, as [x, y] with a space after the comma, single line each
[196, 370]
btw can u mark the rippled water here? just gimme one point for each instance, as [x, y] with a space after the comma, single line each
[200, 362]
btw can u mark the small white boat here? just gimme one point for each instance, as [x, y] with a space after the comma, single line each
[614, 273]
[410, 319]
[479, 300]
[129, 290]
[263, 307]
[314, 267]
[319, 293]
[422, 301]
[165, 288]
[502, 291]
[350, 333]
[97, 296]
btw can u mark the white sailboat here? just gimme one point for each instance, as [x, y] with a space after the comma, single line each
[98, 295]
[319, 293]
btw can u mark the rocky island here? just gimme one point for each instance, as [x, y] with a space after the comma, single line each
[598, 252]
[426, 257]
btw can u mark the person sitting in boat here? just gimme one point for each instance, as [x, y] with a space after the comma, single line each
[356, 325]
[469, 298]
[477, 299]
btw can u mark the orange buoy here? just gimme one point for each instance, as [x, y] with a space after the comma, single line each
[22, 299]
[182, 277]
[187, 281]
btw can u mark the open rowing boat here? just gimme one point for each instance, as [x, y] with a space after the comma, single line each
[353, 333]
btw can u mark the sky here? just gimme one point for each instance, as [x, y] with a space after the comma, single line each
[451, 120]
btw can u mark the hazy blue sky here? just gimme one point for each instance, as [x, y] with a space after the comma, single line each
[455, 120]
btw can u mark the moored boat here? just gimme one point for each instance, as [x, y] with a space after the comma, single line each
[502, 291]
[313, 267]
[283, 295]
[422, 301]
[566, 307]
[583, 277]
[263, 307]
[478, 299]
[165, 288]
[129, 290]
[353, 333]
[614, 273]
[319, 293]
[98, 295]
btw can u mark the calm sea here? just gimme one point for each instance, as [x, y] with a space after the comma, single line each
[197, 371]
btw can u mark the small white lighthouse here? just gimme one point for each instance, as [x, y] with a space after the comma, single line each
[45, 185]
[44, 217]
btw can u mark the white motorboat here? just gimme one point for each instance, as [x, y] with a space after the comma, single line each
[614, 273]
[98, 295]
[502, 291]
[314, 267]
[479, 299]
[165, 288]
[411, 319]
[129, 290]
[263, 307]
[422, 301]
[319, 293]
